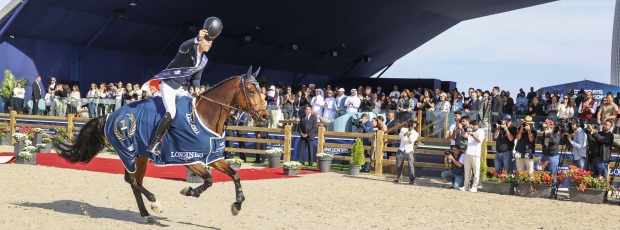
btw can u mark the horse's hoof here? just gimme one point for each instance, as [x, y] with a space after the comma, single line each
[186, 191]
[234, 210]
[156, 206]
[149, 220]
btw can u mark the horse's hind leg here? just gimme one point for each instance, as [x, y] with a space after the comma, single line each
[222, 166]
[135, 180]
[200, 171]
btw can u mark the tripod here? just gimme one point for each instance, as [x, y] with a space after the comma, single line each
[557, 183]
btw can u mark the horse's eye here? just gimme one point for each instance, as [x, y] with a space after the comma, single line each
[251, 91]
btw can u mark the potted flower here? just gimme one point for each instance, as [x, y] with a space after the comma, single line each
[291, 168]
[40, 147]
[274, 157]
[325, 161]
[28, 156]
[357, 157]
[48, 145]
[500, 183]
[38, 136]
[19, 145]
[193, 178]
[584, 187]
[5, 131]
[235, 163]
[536, 185]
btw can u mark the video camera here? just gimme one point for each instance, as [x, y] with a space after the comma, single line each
[358, 124]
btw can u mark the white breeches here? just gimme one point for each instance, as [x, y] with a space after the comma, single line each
[169, 97]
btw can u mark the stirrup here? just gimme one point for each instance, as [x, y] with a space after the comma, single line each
[156, 150]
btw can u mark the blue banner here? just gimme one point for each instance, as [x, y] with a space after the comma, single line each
[599, 90]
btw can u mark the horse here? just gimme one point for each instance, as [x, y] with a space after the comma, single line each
[212, 108]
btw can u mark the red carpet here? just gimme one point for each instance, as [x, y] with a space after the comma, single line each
[171, 172]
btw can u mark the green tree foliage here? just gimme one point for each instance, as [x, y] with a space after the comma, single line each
[357, 153]
[8, 84]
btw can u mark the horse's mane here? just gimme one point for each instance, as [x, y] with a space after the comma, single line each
[220, 83]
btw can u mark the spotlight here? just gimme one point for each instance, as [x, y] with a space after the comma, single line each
[247, 38]
[293, 46]
[11, 36]
[333, 53]
[133, 4]
[257, 28]
[366, 58]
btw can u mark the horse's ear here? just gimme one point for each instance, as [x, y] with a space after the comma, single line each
[248, 75]
[255, 74]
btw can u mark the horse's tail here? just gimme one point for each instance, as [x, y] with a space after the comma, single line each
[89, 142]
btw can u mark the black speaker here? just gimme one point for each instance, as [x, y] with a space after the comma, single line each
[120, 15]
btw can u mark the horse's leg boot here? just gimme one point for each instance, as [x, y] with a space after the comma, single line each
[155, 144]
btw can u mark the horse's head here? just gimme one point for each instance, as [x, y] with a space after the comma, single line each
[251, 98]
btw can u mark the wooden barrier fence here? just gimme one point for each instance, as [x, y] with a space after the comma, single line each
[287, 131]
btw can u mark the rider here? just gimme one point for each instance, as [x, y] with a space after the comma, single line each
[184, 70]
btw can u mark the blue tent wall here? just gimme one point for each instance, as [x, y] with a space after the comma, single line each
[598, 89]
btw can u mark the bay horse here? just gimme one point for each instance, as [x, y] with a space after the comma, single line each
[212, 108]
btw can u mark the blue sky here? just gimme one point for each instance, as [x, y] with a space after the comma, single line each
[544, 45]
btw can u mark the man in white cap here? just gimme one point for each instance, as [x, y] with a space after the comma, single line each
[341, 107]
[273, 100]
[353, 102]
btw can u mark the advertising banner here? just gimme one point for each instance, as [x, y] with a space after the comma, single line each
[599, 90]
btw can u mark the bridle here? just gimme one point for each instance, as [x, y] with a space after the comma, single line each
[252, 111]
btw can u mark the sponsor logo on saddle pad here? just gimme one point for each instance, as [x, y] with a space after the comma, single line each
[191, 124]
[220, 148]
[186, 156]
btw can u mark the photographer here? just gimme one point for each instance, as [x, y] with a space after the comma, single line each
[367, 127]
[474, 136]
[526, 145]
[601, 151]
[451, 129]
[550, 143]
[408, 137]
[579, 140]
[461, 128]
[504, 144]
[456, 159]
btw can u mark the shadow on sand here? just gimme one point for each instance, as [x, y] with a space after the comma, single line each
[85, 209]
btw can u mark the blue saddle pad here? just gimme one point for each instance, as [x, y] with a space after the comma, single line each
[188, 141]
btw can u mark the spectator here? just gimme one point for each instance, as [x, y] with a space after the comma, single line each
[300, 104]
[524, 150]
[504, 144]
[368, 100]
[453, 126]
[272, 99]
[92, 95]
[353, 102]
[552, 109]
[442, 106]
[617, 99]
[307, 130]
[52, 83]
[37, 92]
[587, 108]
[341, 107]
[608, 111]
[497, 105]
[261, 146]
[102, 105]
[522, 103]
[566, 108]
[75, 100]
[367, 127]
[405, 105]
[138, 92]
[391, 122]
[550, 142]
[436, 95]
[379, 93]
[381, 123]
[287, 104]
[329, 107]
[408, 136]
[119, 93]
[536, 109]
[601, 154]
[395, 95]
[474, 103]
[230, 121]
[531, 95]
[458, 103]
[61, 103]
[18, 98]
[378, 102]
[472, 156]
[508, 107]
[49, 97]
[242, 120]
[318, 102]
[455, 174]
[389, 105]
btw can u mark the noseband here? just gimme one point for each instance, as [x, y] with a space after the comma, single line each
[252, 111]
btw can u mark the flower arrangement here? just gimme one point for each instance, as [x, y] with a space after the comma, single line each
[539, 177]
[63, 136]
[292, 165]
[4, 129]
[27, 143]
[583, 179]
[19, 137]
[502, 177]
[28, 131]
[30, 149]
[38, 130]
[25, 155]
[47, 140]
[324, 155]
[234, 161]
[40, 146]
[274, 151]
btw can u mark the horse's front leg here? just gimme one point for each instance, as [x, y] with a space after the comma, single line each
[202, 172]
[135, 180]
[222, 166]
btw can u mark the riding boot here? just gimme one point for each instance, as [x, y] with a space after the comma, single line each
[155, 144]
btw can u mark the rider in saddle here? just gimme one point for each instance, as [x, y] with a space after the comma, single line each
[183, 71]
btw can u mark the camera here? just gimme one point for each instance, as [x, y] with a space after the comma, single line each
[411, 122]
[496, 125]
[447, 152]
[358, 124]
[468, 129]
